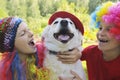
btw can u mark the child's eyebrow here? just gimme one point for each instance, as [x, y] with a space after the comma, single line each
[19, 31]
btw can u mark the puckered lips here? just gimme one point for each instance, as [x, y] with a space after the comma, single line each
[63, 37]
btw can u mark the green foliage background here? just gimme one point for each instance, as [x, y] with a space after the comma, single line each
[37, 12]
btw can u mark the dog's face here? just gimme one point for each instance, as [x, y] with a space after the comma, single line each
[62, 33]
[63, 29]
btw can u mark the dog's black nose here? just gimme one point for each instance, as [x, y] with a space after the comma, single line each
[64, 23]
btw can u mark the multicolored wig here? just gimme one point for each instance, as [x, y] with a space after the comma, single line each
[110, 13]
[12, 69]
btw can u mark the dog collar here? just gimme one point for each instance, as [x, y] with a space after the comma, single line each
[53, 52]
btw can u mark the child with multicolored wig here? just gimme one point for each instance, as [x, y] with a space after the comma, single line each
[20, 58]
[103, 60]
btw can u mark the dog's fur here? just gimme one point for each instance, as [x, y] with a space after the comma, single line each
[61, 36]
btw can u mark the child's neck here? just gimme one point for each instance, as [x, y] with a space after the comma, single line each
[22, 57]
[111, 55]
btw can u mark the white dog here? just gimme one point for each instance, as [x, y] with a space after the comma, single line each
[61, 35]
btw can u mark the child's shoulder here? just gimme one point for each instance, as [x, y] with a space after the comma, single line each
[40, 53]
[92, 47]
[39, 45]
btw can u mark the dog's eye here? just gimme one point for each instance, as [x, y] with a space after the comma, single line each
[55, 22]
[71, 23]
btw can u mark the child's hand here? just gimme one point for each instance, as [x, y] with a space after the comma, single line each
[76, 77]
[69, 57]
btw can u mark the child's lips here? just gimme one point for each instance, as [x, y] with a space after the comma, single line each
[32, 43]
[103, 41]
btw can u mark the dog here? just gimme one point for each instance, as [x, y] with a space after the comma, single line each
[59, 36]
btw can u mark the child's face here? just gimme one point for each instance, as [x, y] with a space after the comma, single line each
[105, 40]
[24, 42]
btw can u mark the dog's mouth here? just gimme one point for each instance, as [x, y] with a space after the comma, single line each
[64, 38]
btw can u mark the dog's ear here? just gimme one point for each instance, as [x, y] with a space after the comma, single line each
[45, 31]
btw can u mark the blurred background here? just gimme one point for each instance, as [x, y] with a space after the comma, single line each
[37, 12]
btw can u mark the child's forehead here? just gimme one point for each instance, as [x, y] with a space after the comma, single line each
[107, 25]
[22, 26]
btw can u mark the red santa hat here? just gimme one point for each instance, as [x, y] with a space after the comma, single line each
[64, 14]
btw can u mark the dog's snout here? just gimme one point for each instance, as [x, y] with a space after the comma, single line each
[64, 22]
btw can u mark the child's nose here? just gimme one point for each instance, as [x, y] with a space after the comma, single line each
[102, 32]
[30, 33]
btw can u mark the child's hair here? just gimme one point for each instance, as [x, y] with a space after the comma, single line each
[26, 70]
[110, 13]
[10, 60]
[99, 12]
